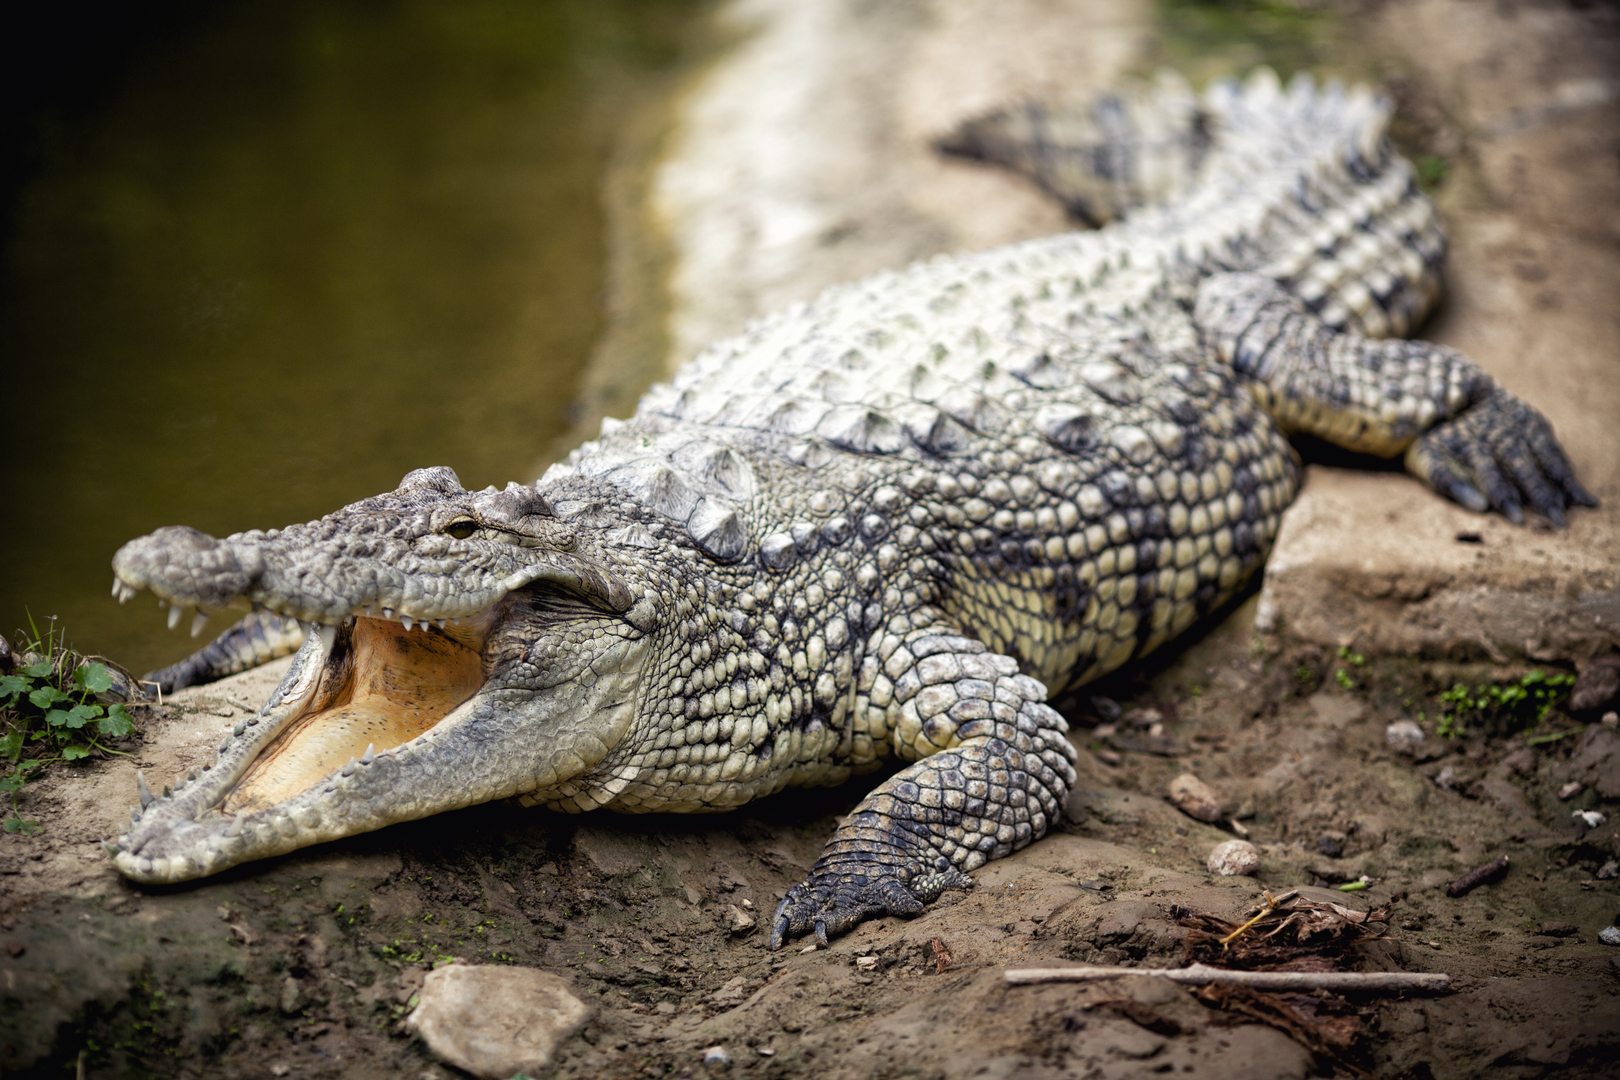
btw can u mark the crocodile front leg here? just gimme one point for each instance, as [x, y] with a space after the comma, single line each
[995, 770]
[1462, 433]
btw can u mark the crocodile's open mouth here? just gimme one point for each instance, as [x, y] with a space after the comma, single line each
[380, 686]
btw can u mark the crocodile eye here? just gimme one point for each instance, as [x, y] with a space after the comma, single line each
[462, 529]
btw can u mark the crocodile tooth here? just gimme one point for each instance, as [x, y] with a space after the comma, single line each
[110, 847]
[348, 770]
[367, 609]
[174, 616]
[370, 755]
[406, 620]
[241, 726]
[198, 621]
[388, 612]
[328, 638]
[144, 791]
[190, 776]
[235, 828]
[134, 815]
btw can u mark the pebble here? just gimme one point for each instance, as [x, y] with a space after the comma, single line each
[866, 963]
[496, 1021]
[1609, 871]
[1609, 935]
[1403, 736]
[716, 1055]
[1590, 818]
[1611, 719]
[1194, 798]
[1143, 718]
[1570, 790]
[1234, 857]
[1110, 757]
[741, 921]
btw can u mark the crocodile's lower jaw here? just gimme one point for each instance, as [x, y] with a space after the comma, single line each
[356, 702]
[382, 687]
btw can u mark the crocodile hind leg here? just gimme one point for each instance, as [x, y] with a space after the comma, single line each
[255, 639]
[1460, 431]
[995, 768]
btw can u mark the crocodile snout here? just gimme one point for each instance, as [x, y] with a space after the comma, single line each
[188, 568]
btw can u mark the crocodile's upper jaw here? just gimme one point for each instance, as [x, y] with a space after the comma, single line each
[386, 718]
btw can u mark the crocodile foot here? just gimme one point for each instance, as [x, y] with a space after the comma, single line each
[833, 901]
[1499, 454]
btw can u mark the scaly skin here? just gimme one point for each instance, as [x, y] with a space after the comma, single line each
[883, 526]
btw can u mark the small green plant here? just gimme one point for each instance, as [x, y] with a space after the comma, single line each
[1498, 708]
[1354, 659]
[48, 713]
[1432, 170]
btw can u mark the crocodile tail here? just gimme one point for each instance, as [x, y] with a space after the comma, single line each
[1136, 146]
[1296, 182]
[1347, 228]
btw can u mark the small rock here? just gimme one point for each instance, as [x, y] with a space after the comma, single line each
[1142, 718]
[1554, 928]
[766, 1051]
[1522, 761]
[1590, 818]
[1106, 708]
[496, 1021]
[1332, 843]
[1194, 798]
[1609, 935]
[740, 921]
[716, 1055]
[866, 963]
[292, 996]
[1403, 736]
[1234, 857]
[1597, 686]
[1570, 790]
[1110, 757]
[1611, 719]
[807, 950]
[1609, 871]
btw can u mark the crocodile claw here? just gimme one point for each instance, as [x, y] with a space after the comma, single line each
[831, 904]
[1499, 454]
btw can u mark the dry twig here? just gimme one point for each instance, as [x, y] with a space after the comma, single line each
[1202, 974]
[1478, 876]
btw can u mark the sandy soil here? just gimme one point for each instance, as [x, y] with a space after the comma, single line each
[306, 965]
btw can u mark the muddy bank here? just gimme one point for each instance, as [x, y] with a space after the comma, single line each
[306, 965]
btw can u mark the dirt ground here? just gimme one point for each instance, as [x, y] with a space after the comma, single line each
[305, 966]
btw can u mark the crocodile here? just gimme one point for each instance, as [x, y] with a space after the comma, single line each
[881, 528]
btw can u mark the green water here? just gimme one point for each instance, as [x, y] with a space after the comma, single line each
[284, 254]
